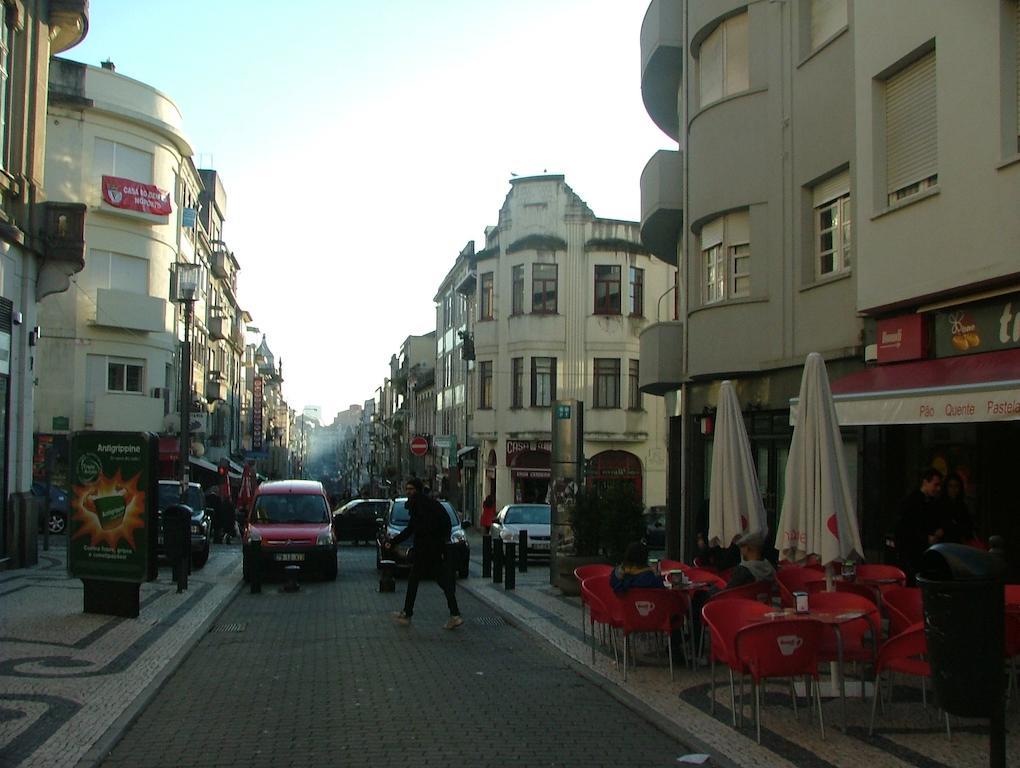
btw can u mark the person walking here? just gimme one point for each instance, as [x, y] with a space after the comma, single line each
[488, 513]
[430, 526]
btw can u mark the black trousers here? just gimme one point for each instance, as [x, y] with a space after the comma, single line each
[442, 571]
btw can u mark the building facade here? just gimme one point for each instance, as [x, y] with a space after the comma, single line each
[829, 186]
[42, 241]
[560, 298]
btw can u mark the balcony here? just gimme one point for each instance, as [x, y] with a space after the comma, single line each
[130, 311]
[662, 204]
[215, 390]
[219, 328]
[64, 251]
[222, 264]
[661, 368]
[662, 62]
[69, 22]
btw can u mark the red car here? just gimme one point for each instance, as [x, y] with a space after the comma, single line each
[289, 523]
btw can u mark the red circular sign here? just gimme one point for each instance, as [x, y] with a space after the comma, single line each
[419, 445]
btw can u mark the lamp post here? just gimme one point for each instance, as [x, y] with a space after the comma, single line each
[185, 291]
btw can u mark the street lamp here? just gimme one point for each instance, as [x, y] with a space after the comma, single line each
[185, 291]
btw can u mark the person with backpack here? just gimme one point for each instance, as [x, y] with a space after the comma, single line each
[430, 526]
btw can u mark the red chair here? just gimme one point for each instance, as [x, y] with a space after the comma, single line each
[583, 572]
[903, 607]
[700, 574]
[724, 618]
[878, 572]
[904, 653]
[651, 611]
[610, 614]
[862, 590]
[672, 565]
[860, 637]
[796, 579]
[780, 648]
[755, 590]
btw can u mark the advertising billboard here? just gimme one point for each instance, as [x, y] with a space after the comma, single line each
[111, 505]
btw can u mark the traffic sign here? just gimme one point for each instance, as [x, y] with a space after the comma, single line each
[419, 445]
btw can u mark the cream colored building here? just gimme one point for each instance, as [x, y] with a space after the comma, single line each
[846, 180]
[560, 299]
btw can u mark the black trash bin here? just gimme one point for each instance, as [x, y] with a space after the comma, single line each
[964, 619]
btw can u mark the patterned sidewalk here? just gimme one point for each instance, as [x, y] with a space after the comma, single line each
[71, 681]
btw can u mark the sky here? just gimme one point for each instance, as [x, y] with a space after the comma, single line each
[363, 144]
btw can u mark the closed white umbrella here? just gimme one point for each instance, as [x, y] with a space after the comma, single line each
[818, 515]
[734, 503]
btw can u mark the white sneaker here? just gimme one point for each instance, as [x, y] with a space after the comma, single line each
[453, 623]
[402, 618]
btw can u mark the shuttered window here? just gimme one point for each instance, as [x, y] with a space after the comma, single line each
[827, 18]
[723, 61]
[910, 129]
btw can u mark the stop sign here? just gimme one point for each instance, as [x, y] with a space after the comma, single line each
[419, 445]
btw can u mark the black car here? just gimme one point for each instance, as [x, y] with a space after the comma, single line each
[357, 520]
[201, 520]
[396, 519]
[58, 506]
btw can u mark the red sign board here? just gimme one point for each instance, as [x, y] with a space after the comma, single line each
[135, 196]
[419, 445]
[900, 338]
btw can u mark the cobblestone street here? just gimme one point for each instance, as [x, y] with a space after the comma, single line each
[324, 676]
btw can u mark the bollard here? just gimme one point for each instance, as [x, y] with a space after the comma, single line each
[387, 576]
[523, 551]
[256, 567]
[292, 574]
[510, 578]
[497, 561]
[486, 557]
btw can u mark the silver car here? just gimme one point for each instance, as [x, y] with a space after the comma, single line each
[533, 518]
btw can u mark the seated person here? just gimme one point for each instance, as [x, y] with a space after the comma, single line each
[634, 571]
[753, 565]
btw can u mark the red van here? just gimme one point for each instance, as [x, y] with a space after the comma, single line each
[289, 523]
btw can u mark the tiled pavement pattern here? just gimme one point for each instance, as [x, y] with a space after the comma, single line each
[67, 677]
[70, 683]
[325, 677]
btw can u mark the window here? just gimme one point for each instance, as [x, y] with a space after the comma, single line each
[485, 384]
[726, 258]
[114, 159]
[6, 45]
[543, 381]
[517, 382]
[543, 289]
[607, 382]
[119, 271]
[740, 270]
[485, 300]
[517, 290]
[607, 289]
[637, 291]
[911, 141]
[124, 375]
[633, 391]
[722, 61]
[832, 225]
[827, 18]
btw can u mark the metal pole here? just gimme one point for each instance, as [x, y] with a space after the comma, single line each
[523, 550]
[510, 574]
[185, 446]
[497, 561]
[486, 556]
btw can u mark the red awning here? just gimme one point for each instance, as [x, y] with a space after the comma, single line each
[969, 388]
